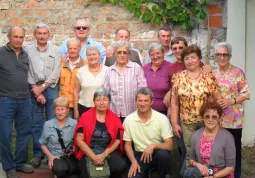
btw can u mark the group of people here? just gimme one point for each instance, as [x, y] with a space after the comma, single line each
[107, 106]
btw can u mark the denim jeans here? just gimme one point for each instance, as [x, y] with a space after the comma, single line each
[38, 109]
[19, 111]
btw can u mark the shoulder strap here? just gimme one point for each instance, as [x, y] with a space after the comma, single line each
[60, 139]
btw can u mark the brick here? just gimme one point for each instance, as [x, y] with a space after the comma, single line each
[87, 12]
[26, 13]
[50, 3]
[214, 9]
[17, 21]
[106, 27]
[11, 13]
[21, 5]
[4, 5]
[33, 4]
[96, 35]
[2, 14]
[78, 3]
[31, 21]
[112, 18]
[41, 13]
[105, 10]
[214, 21]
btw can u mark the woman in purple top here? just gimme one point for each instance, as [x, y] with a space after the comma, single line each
[156, 74]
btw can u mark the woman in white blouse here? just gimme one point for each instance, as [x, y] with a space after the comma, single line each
[88, 79]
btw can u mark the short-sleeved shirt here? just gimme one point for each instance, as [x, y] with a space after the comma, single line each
[193, 94]
[89, 84]
[155, 131]
[232, 85]
[159, 83]
[49, 135]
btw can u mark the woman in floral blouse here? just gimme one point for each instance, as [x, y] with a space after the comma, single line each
[191, 88]
[234, 90]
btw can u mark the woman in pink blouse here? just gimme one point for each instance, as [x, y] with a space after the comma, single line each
[234, 90]
[212, 152]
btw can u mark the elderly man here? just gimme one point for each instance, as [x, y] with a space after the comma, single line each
[81, 30]
[15, 104]
[164, 38]
[43, 78]
[68, 72]
[123, 34]
[151, 134]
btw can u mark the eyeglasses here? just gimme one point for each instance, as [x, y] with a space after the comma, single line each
[218, 55]
[102, 100]
[81, 28]
[122, 52]
[212, 117]
[180, 48]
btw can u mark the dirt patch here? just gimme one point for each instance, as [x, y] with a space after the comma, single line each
[248, 162]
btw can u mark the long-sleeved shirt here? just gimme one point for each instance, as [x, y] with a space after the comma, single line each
[122, 87]
[44, 65]
[83, 54]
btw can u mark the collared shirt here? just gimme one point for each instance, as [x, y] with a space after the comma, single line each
[232, 85]
[83, 54]
[159, 83]
[44, 65]
[169, 56]
[73, 65]
[123, 85]
[49, 135]
[14, 73]
[155, 131]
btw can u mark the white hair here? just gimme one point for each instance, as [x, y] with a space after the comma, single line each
[225, 45]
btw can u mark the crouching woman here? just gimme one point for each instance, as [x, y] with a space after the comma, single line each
[57, 141]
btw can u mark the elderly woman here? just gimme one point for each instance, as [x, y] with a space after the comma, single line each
[123, 79]
[156, 74]
[60, 127]
[191, 88]
[99, 136]
[234, 90]
[212, 152]
[88, 79]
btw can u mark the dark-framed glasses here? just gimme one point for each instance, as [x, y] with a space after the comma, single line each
[122, 52]
[218, 55]
[180, 48]
[81, 28]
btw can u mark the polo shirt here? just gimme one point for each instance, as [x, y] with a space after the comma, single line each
[155, 131]
[14, 73]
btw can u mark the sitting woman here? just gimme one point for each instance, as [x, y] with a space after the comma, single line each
[98, 137]
[212, 152]
[60, 127]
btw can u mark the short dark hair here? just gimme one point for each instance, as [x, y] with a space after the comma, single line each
[191, 49]
[177, 39]
[122, 28]
[211, 105]
[165, 28]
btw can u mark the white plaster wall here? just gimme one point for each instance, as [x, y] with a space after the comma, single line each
[249, 131]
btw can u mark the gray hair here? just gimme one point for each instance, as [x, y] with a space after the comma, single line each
[93, 48]
[154, 46]
[71, 40]
[144, 91]
[41, 25]
[225, 45]
[9, 30]
[121, 44]
[81, 20]
[102, 92]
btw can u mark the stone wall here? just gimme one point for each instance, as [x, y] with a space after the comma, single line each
[105, 19]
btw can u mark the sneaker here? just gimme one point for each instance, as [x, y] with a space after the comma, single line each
[12, 174]
[27, 169]
[36, 161]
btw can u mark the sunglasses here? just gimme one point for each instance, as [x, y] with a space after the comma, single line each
[180, 48]
[81, 28]
[222, 54]
[122, 52]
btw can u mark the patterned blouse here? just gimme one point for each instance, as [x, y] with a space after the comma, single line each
[205, 154]
[231, 85]
[193, 94]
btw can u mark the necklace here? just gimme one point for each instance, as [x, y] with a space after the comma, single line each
[194, 78]
[94, 70]
[223, 75]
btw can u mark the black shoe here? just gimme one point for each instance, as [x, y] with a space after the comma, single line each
[36, 161]
[27, 169]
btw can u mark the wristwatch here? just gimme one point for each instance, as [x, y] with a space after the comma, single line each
[44, 86]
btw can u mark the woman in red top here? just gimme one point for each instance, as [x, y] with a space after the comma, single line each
[98, 135]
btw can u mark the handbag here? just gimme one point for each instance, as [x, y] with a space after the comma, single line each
[94, 171]
[68, 156]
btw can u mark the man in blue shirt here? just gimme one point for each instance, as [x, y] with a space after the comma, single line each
[81, 30]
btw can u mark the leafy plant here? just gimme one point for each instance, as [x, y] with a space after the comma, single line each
[184, 13]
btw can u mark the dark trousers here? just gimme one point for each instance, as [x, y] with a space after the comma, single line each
[61, 170]
[116, 162]
[192, 172]
[82, 109]
[237, 134]
[160, 162]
